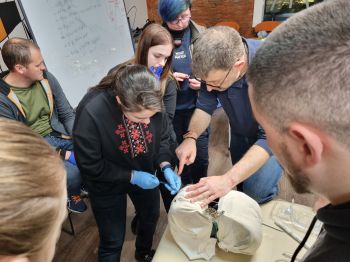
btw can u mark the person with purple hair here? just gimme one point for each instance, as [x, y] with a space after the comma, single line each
[176, 15]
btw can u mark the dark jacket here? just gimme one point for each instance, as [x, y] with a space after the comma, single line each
[104, 151]
[62, 113]
[333, 243]
[169, 100]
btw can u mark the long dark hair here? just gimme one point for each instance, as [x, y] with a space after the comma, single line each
[136, 86]
[154, 34]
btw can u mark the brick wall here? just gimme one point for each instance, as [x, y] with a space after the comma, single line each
[210, 12]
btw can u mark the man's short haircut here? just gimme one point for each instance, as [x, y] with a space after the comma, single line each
[217, 48]
[302, 71]
[17, 51]
[170, 9]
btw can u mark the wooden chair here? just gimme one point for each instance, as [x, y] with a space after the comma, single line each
[267, 26]
[232, 24]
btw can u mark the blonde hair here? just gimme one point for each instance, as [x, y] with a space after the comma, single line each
[33, 191]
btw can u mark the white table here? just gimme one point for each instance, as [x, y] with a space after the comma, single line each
[275, 242]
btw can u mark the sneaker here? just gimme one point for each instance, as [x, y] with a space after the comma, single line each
[135, 224]
[145, 256]
[76, 204]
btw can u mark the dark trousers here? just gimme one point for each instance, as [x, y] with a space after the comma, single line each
[110, 215]
[262, 186]
[192, 173]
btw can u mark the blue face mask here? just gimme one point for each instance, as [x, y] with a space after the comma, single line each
[157, 71]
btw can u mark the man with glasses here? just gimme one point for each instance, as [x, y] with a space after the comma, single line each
[220, 62]
[176, 15]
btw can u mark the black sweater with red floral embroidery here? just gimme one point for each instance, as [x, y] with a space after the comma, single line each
[108, 146]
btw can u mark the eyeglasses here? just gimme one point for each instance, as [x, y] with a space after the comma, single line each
[214, 86]
[184, 19]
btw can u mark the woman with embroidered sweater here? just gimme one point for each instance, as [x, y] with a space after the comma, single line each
[121, 138]
[154, 50]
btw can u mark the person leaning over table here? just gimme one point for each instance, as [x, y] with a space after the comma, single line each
[302, 101]
[121, 137]
[154, 50]
[176, 15]
[220, 59]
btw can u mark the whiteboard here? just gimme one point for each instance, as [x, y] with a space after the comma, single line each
[80, 40]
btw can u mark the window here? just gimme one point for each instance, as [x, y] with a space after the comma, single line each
[280, 10]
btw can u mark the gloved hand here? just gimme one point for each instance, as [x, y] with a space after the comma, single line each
[174, 181]
[71, 158]
[157, 71]
[144, 180]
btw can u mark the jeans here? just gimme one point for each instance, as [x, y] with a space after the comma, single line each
[262, 186]
[73, 174]
[192, 173]
[110, 214]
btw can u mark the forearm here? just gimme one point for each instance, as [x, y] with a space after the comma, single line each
[200, 120]
[251, 162]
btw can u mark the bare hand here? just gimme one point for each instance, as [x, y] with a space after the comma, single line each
[209, 189]
[186, 153]
[194, 84]
[180, 77]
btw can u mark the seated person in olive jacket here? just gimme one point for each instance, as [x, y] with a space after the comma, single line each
[33, 96]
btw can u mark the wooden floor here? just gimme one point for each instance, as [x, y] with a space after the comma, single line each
[83, 246]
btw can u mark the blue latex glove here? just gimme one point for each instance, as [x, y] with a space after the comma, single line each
[71, 158]
[144, 180]
[174, 181]
[157, 71]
